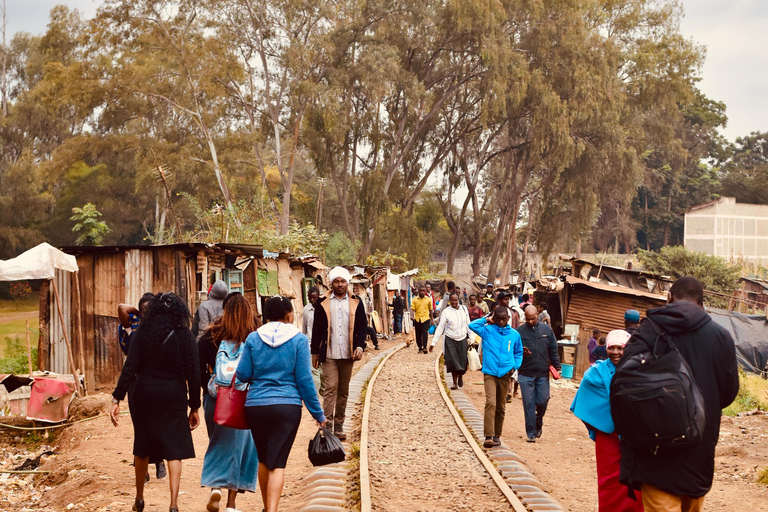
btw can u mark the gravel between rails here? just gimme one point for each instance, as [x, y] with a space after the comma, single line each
[419, 460]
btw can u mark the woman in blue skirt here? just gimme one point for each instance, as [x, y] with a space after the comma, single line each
[231, 461]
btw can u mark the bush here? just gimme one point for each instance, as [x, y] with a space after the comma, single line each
[762, 476]
[752, 395]
[340, 250]
[15, 360]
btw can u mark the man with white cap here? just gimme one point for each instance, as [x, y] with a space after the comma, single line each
[338, 339]
[592, 405]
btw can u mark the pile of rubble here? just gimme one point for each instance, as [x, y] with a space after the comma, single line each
[18, 468]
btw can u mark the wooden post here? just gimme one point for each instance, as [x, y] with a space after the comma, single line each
[80, 338]
[66, 338]
[29, 351]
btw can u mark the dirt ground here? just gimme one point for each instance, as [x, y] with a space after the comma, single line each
[564, 458]
[92, 469]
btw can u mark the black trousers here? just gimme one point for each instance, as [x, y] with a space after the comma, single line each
[422, 334]
[372, 334]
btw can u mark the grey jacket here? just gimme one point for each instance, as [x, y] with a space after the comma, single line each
[212, 308]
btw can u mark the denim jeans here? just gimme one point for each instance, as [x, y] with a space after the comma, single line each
[535, 394]
[398, 323]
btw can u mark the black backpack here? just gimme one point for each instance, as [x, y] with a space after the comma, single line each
[655, 401]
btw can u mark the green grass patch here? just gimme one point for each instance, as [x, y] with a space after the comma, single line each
[762, 476]
[753, 394]
[31, 303]
[14, 358]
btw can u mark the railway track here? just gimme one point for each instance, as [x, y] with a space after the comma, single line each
[520, 490]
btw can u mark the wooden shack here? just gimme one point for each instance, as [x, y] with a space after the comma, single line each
[110, 275]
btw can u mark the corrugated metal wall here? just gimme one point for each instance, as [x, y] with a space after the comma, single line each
[138, 275]
[109, 283]
[58, 359]
[592, 308]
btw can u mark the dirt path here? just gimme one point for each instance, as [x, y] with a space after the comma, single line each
[564, 457]
[419, 460]
[93, 470]
[21, 315]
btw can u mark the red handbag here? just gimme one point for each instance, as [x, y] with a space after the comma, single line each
[552, 370]
[230, 407]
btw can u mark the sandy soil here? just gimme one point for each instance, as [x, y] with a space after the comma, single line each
[93, 472]
[564, 458]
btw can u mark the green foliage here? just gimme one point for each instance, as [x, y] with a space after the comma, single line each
[85, 219]
[745, 172]
[243, 224]
[397, 262]
[14, 358]
[714, 273]
[340, 250]
[751, 396]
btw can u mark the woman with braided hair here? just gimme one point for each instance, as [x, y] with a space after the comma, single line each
[162, 365]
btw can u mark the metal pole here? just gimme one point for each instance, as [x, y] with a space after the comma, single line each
[66, 338]
[29, 351]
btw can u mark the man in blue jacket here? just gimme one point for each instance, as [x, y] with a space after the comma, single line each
[502, 354]
[539, 353]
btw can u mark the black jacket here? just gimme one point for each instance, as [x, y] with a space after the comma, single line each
[542, 343]
[321, 328]
[710, 352]
[398, 305]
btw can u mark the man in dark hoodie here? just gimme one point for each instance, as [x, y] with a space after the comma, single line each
[678, 481]
[212, 308]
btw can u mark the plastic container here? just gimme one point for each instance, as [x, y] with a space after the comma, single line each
[566, 371]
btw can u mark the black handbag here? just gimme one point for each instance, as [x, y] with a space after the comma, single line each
[325, 448]
[655, 401]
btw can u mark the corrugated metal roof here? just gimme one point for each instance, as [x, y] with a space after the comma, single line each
[596, 305]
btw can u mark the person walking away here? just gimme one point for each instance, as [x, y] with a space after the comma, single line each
[124, 340]
[210, 309]
[592, 405]
[600, 353]
[465, 295]
[679, 480]
[360, 293]
[453, 327]
[163, 369]
[450, 288]
[231, 461]
[398, 308]
[338, 339]
[525, 301]
[631, 320]
[422, 317]
[308, 320]
[276, 364]
[544, 317]
[592, 344]
[539, 352]
[502, 355]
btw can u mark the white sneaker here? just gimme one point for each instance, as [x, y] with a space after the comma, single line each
[230, 509]
[213, 501]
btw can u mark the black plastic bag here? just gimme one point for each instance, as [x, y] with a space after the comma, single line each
[325, 448]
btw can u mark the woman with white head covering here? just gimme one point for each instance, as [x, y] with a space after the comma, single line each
[592, 405]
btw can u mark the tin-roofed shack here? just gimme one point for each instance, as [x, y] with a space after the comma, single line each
[110, 275]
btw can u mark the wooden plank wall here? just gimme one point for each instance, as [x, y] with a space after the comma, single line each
[86, 266]
[164, 268]
[108, 356]
[45, 318]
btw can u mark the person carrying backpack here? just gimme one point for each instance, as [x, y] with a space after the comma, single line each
[677, 479]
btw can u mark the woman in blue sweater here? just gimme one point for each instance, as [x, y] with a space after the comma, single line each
[276, 363]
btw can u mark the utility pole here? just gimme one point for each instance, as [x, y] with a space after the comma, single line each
[319, 216]
[4, 84]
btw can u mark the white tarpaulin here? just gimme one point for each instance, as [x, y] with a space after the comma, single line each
[39, 262]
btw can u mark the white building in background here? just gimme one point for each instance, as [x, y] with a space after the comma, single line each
[729, 229]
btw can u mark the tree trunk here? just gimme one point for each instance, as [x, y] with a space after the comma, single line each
[510, 251]
[457, 237]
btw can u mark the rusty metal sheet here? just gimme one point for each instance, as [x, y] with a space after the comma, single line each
[138, 275]
[164, 268]
[595, 308]
[58, 358]
[109, 283]
[108, 358]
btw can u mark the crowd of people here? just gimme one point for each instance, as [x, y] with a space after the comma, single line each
[172, 361]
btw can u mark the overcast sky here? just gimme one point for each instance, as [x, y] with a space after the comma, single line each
[735, 33]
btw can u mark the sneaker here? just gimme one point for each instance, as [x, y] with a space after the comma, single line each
[160, 471]
[230, 509]
[496, 441]
[340, 435]
[213, 501]
[374, 348]
[509, 398]
[488, 442]
[538, 433]
[531, 440]
[461, 381]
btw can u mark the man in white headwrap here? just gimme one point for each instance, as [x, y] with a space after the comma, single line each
[338, 339]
